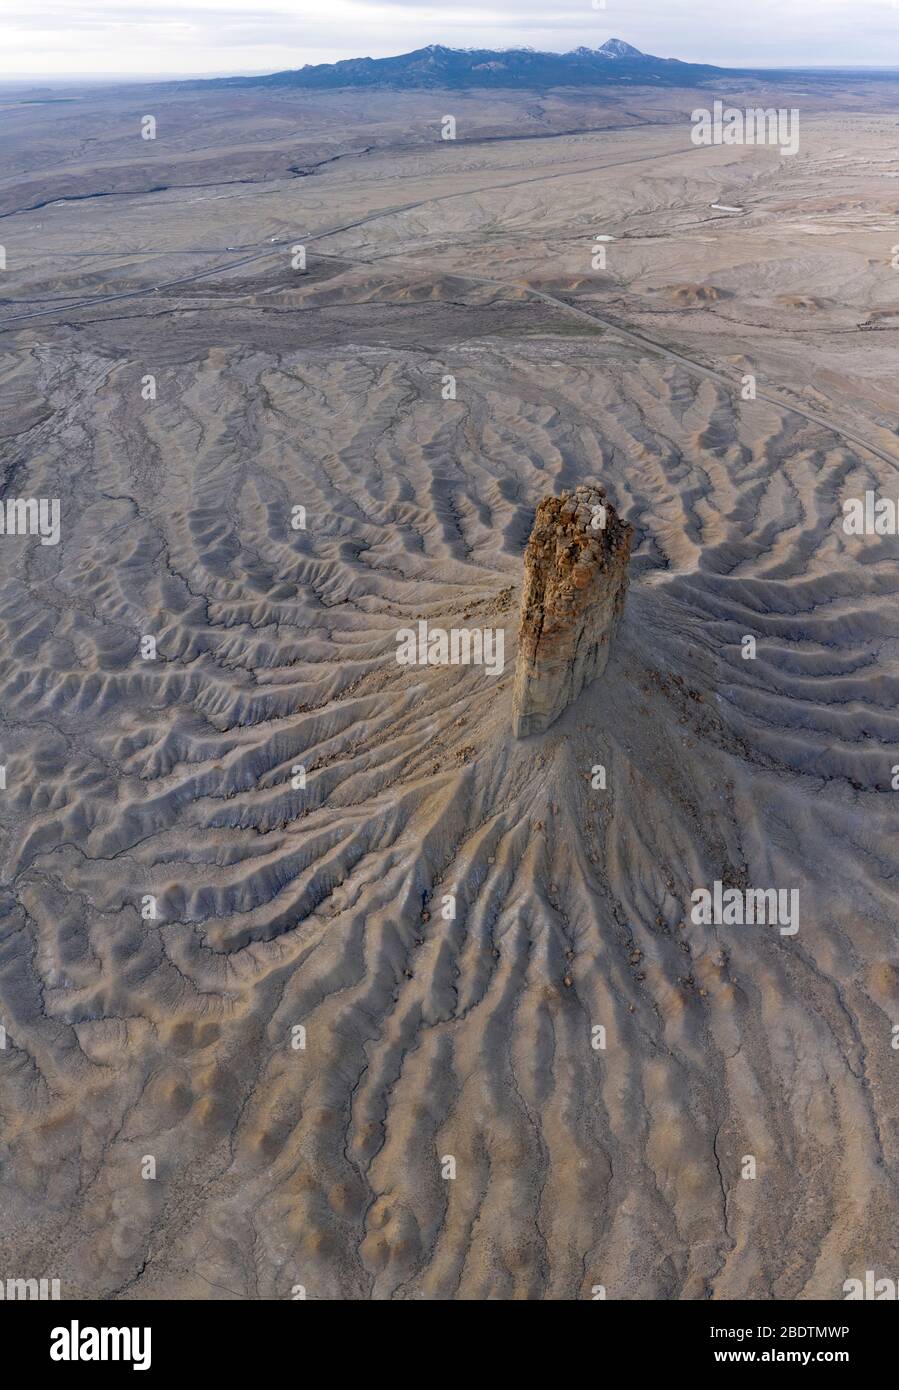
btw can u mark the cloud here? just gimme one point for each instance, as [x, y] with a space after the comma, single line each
[107, 36]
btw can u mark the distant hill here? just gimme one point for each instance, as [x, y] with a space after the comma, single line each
[616, 62]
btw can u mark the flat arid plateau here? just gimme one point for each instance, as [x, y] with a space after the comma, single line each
[243, 1041]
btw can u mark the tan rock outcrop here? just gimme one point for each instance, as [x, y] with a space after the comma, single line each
[574, 588]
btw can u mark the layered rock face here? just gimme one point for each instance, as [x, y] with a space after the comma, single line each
[574, 588]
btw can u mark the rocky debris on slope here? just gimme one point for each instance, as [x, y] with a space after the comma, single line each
[574, 588]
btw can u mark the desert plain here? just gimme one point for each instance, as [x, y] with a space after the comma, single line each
[299, 371]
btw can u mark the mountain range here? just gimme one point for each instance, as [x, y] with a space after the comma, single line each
[616, 62]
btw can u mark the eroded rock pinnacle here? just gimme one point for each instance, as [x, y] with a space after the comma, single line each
[574, 587]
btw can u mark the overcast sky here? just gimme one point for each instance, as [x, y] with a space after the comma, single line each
[156, 37]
